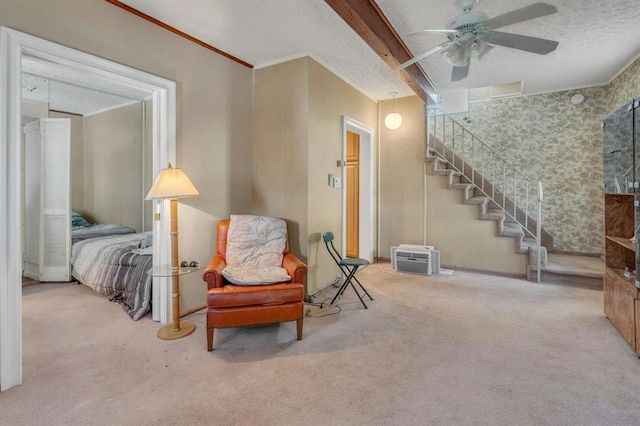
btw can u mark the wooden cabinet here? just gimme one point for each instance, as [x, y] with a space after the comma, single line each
[637, 326]
[621, 303]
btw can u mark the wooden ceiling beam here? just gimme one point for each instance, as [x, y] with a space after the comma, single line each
[366, 19]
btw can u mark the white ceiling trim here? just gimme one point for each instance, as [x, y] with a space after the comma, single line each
[111, 108]
[282, 60]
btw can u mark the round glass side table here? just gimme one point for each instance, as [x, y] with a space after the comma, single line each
[176, 329]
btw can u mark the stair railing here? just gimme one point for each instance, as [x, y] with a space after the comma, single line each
[508, 188]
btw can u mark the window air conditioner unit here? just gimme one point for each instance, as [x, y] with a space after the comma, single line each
[415, 259]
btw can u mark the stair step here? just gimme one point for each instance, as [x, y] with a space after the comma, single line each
[463, 185]
[494, 214]
[478, 199]
[437, 160]
[512, 230]
[445, 172]
[466, 188]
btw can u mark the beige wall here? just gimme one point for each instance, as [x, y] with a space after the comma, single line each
[213, 103]
[402, 183]
[297, 135]
[330, 99]
[113, 167]
[280, 148]
[113, 134]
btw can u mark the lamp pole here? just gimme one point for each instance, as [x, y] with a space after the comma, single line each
[176, 329]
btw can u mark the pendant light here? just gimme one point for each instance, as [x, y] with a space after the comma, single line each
[393, 120]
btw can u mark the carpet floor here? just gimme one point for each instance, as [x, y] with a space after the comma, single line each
[466, 349]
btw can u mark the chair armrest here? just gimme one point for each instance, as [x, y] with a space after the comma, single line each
[296, 269]
[213, 272]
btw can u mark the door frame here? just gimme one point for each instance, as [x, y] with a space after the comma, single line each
[13, 44]
[367, 188]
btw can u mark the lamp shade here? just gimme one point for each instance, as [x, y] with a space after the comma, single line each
[171, 184]
[393, 120]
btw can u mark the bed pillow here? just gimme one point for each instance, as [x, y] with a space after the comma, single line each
[78, 220]
[146, 242]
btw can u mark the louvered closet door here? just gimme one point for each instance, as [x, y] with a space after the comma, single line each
[55, 200]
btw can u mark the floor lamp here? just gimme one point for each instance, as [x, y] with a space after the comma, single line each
[172, 184]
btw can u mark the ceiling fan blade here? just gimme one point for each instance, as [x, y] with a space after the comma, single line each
[540, 46]
[526, 13]
[460, 73]
[421, 56]
[432, 32]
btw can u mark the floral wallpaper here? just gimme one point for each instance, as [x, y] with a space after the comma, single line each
[623, 88]
[560, 144]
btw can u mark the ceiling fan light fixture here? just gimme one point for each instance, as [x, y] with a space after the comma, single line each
[455, 55]
[393, 120]
[477, 48]
[466, 4]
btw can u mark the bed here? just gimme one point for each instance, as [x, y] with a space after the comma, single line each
[115, 266]
[81, 229]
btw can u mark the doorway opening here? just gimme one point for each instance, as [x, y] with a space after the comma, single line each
[13, 45]
[362, 194]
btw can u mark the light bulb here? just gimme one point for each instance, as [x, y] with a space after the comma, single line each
[393, 120]
[455, 55]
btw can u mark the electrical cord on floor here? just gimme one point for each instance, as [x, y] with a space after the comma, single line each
[389, 271]
[324, 308]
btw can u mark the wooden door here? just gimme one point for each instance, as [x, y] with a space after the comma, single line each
[353, 194]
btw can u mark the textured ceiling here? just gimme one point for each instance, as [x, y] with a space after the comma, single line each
[598, 39]
[266, 32]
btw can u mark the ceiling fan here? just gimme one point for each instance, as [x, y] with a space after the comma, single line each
[472, 35]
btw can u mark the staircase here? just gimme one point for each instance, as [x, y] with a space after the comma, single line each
[501, 192]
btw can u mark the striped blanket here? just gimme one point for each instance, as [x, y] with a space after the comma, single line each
[96, 230]
[109, 266]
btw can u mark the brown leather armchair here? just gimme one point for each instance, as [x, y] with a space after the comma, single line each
[230, 305]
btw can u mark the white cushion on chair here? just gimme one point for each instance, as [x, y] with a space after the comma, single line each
[242, 275]
[255, 246]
